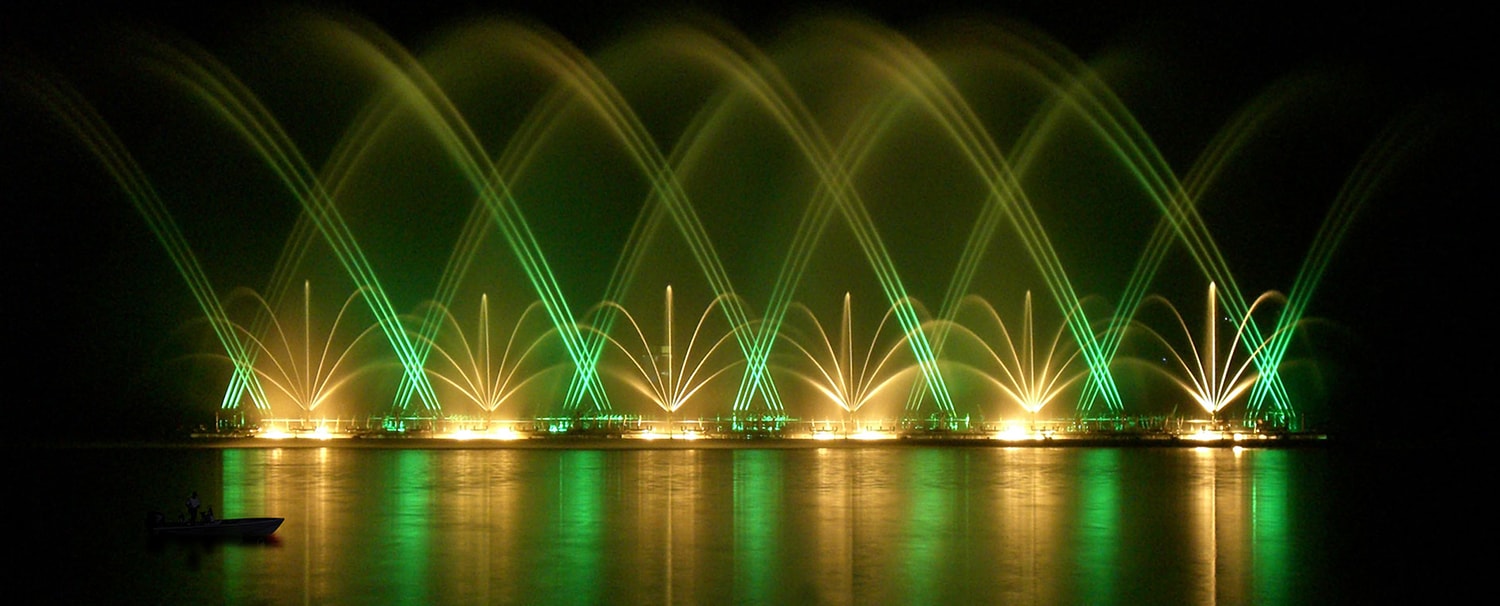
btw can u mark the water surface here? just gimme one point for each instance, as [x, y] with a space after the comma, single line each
[883, 524]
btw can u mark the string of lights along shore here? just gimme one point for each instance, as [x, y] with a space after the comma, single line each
[847, 229]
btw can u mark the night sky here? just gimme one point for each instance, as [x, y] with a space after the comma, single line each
[94, 305]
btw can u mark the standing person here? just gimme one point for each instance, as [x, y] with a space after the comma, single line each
[192, 505]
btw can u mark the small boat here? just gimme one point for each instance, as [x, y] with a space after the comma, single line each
[227, 528]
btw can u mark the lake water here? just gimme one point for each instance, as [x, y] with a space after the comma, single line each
[878, 524]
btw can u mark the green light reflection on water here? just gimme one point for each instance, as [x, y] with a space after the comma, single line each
[757, 517]
[580, 525]
[235, 472]
[930, 523]
[1098, 525]
[412, 530]
[1268, 526]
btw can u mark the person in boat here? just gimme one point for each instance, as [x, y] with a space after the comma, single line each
[192, 507]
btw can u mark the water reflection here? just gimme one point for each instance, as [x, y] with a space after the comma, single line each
[816, 525]
[757, 521]
[1269, 500]
[1097, 525]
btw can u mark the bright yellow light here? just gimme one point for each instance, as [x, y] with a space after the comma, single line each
[1206, 435]
[823, 434]
[274, 433]
[1015, 431]
[504, 433]
[870, 434]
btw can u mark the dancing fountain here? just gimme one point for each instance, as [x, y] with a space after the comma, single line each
[507, 187]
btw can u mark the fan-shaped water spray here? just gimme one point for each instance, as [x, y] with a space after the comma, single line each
[846, 166]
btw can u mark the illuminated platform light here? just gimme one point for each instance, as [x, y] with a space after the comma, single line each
[461, 429]
[319, 433]
[465, 434]
[504, 434]
[1206, 435]
[273, 434]
[1021, 435]
[1018, 432]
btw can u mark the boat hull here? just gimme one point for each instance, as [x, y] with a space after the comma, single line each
[220, 529]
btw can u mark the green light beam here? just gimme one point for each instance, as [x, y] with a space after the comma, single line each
[913, 71]
[756, 75]
[202, 76]
[1394, 144]
[80, 117]
[409, 82]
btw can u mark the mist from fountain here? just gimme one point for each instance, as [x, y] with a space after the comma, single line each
[865, 161]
